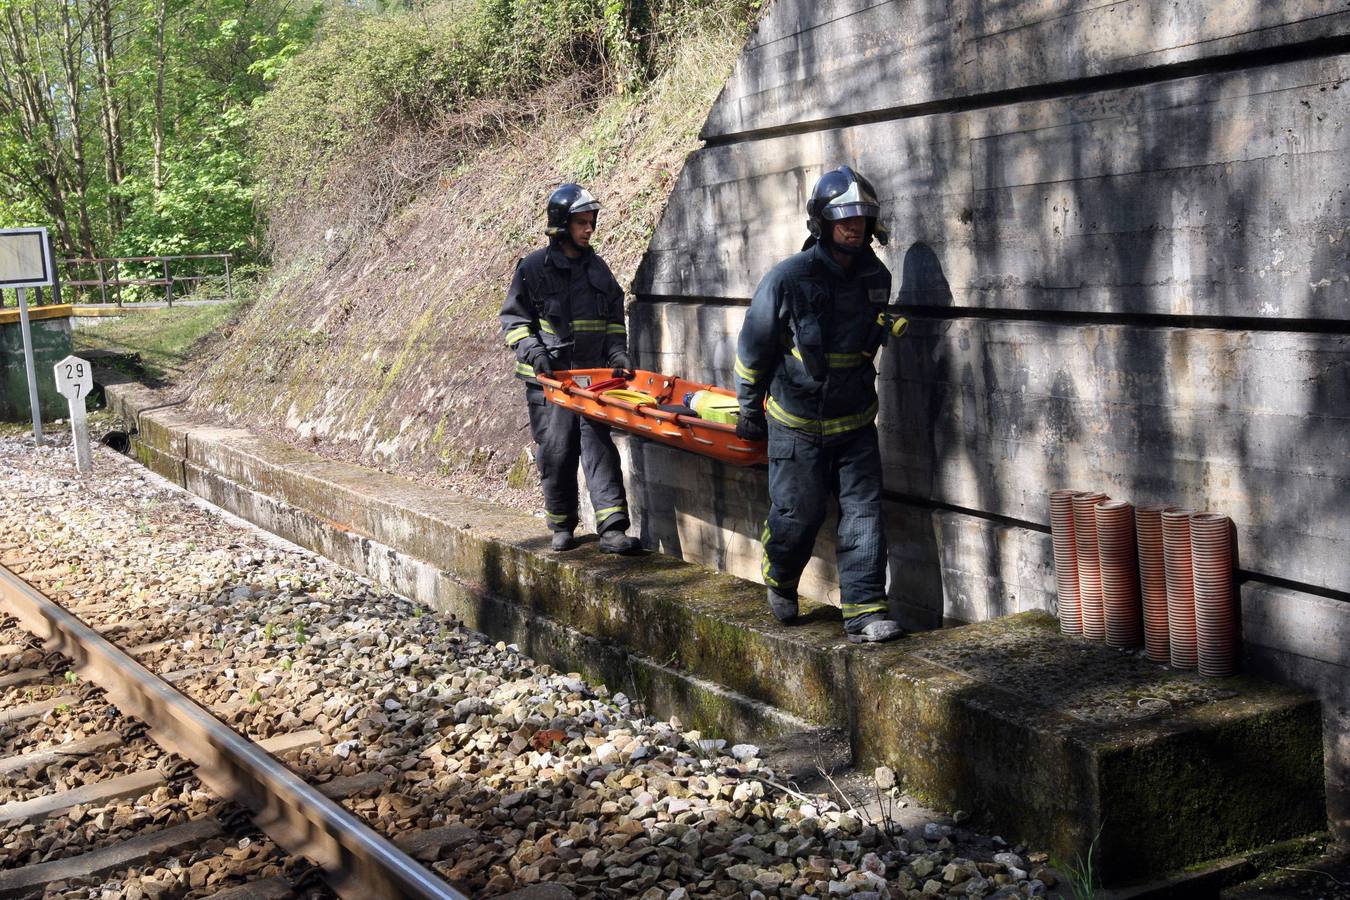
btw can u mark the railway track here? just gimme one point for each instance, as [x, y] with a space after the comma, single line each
[498, 774]
[174, 744]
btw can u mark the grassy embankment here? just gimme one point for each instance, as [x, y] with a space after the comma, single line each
[159, 344]
[376, 338]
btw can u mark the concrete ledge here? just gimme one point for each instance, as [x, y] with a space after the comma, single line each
[37, 313]
[1042, 737]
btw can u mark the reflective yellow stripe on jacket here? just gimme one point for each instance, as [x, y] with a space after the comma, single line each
[821, 426]
[838, 360]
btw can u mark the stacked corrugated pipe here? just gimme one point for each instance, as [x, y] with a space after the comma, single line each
[1148, 529]
[1180, 587]
[1157, 576]
[1089, 564]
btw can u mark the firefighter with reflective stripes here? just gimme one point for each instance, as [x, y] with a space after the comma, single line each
[805, 379]
[564, 310]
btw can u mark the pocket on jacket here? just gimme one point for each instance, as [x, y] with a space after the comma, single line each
[556, 306]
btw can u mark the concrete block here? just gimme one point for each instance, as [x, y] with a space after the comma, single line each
[960, 712]
[663, 683]
[819, 62]
[1331, 683]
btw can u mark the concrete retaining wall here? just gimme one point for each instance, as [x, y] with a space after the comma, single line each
[1122, 232]
[50, 327]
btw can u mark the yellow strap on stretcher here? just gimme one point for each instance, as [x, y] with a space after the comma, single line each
[635, 397]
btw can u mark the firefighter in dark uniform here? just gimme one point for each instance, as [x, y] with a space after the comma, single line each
[805, 379]
[564, 310]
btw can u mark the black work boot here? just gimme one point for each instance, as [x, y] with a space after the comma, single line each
[872, 629]
[563, 540]
[616, 541]
[783, 606]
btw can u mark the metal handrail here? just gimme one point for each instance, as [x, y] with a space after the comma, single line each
[117, 282]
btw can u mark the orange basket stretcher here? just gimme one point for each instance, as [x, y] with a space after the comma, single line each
[571, 389]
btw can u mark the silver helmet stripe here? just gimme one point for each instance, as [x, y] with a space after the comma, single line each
[585, 202]
[856, 201]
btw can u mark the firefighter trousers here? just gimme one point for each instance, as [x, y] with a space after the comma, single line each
[563, 438]
[803, 473]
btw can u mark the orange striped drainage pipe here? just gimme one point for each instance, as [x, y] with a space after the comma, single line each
[1089, 568]
[1215, 612]
[1153, 579]
[1120, 574]
[1177, 570]
[1066, 562]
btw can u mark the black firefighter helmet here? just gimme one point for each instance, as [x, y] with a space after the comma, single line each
[843, 194]
[567, 200]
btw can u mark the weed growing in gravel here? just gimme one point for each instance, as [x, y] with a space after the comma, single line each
[71, 677]
[1080, 874]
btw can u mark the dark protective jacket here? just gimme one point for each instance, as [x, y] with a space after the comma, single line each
[809, 340]
[573, 307]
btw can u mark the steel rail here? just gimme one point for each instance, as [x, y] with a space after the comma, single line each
[355, 861]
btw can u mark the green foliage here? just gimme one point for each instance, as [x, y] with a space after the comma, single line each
[1081, 875]
[204, 204]
[369, 74]
[168, 172]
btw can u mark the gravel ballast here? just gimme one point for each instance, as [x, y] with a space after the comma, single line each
[527, 774]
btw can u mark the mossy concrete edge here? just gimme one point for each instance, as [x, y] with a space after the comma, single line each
[654, 622]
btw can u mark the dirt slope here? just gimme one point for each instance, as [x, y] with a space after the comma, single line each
[380, 343]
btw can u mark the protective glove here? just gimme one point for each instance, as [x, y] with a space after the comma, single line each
[751, 427]
[623, 367]
[541, 361]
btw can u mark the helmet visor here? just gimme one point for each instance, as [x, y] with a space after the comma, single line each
[856, 201]
[835, 212]
[585, 202]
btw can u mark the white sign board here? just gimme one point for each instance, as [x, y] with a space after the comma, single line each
[74, 381]
[25, 258]
[74, 378]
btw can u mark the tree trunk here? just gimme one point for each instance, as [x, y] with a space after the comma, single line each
[161, 15]
[25, 94]
[72, 58]
[105, 55]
